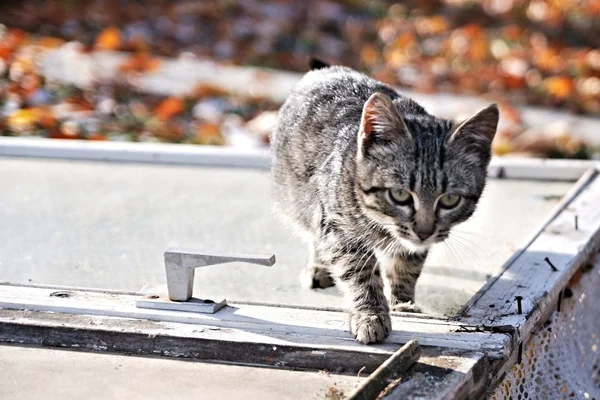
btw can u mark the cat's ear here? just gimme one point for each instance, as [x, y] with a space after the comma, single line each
[380, 121]
[477, 131]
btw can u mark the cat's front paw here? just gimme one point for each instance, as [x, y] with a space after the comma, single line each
[316, 276]
[370, 327]
[408, 306]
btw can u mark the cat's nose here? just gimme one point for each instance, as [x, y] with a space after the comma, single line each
[424, 235]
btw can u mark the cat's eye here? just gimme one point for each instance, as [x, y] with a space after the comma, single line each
[400, 196]
[449, 200]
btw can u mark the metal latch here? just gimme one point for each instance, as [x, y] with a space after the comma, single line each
[180, 265]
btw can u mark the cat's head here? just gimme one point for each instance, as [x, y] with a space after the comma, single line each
[417, 175]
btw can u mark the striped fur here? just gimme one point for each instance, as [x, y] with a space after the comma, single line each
[341, 142]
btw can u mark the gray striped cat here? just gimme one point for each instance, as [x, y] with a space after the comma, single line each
[373, 180]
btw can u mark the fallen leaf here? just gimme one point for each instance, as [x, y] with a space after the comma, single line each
[560, 87]
[109, 39]
[169, 108]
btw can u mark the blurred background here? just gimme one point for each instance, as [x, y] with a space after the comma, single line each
[178, 71]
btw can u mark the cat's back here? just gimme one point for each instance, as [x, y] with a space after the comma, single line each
[338, 81]
[326, 100]
[334, 89]
[311, 123]
[320, 106]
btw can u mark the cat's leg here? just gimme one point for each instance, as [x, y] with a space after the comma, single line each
[359, 277]
[400, 277]
[316, 274]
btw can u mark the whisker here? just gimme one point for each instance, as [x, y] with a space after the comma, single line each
[465, 248]
[477, 235]
[469, 242]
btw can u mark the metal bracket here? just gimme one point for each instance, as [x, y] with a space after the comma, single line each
[180, 265]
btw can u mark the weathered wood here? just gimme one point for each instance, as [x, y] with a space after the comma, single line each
[448, 376]
[391, 369]
[329, 328]
[584, 181]
[540, 272]
[137, 337]
[441, 372]
[530, 275]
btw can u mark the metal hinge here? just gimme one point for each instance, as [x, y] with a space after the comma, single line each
[180, 265]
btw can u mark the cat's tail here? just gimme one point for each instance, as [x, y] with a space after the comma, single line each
[315, 63]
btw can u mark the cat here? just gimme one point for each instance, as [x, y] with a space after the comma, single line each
[372, 181]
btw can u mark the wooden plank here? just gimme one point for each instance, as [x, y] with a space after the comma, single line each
[584, 181]
[441, 372]
[540, 272]
[329, 328]
[532, 325]
[139, 337]
[448, 376]
[391, 369]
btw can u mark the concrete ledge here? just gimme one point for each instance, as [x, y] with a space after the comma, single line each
[257, 158]
[160, 153]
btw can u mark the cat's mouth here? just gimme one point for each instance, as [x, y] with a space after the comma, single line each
[414, 243]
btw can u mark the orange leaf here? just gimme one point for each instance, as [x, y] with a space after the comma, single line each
[23, 119]
[549, 60]
[169, 108]
[369, 54]
[109, 39]
[512, 32]
[96, 136]
[140, 62]
[560, 87]
[50, 42]
[207, 90]
[209, 133]
[478, 50]
[46, 119]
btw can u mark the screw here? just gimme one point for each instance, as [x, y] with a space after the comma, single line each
[560, 294]
[554, 269]
[519, 307]
[62, 295]
[576, 224]
[153, 296]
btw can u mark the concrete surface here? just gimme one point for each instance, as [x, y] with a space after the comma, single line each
[37, 373]
[106, 225]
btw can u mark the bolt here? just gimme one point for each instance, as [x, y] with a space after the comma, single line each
[519, 307]
[554, 269]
